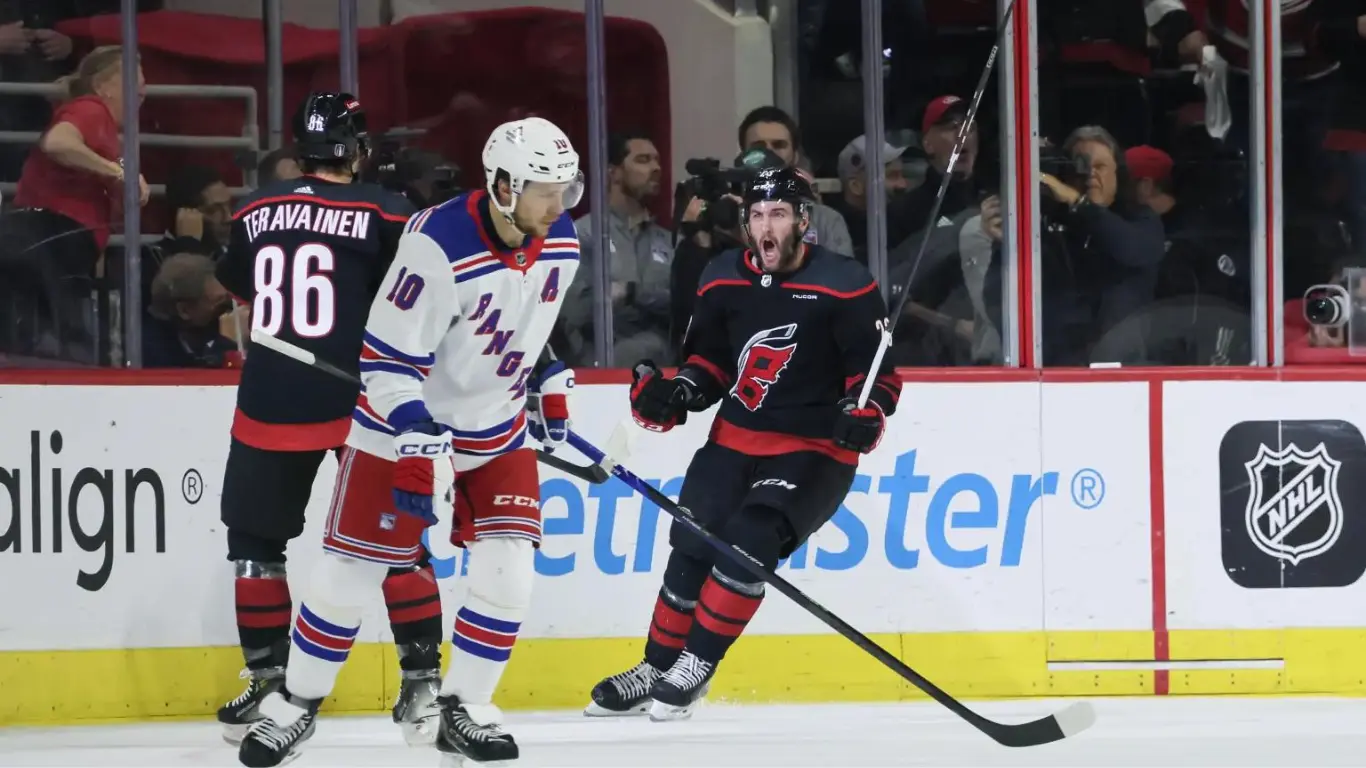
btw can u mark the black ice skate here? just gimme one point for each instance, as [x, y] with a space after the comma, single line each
[625, 693]
[286, 722]
[416, 710]
[679, 691]
[464, 740]
[239, 714]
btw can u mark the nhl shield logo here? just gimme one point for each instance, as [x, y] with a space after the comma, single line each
[521, 259]
[1293, 510]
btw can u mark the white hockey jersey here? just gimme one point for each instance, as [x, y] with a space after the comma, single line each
[456, 329]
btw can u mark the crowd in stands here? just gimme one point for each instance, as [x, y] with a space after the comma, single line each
[1145, 203]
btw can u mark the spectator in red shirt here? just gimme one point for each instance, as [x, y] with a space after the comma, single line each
[70, 191]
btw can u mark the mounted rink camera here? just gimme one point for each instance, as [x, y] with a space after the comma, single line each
[1327, 305]
[1340, 306]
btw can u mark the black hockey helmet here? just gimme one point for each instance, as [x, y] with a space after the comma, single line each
[779, 185]
[330, 127]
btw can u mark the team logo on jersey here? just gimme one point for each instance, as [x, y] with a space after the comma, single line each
[761, 362]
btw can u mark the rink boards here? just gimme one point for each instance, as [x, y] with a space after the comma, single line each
[1082, 533]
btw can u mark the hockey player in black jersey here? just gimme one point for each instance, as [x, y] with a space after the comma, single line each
[783, 335]
[308, 255]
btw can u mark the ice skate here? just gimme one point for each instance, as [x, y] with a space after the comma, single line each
[471, 735]
[286, 722]
[416, 710]
[624, 694]
[239, 714]
[678, 692]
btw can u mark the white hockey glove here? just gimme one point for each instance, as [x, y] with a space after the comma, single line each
[547, 404]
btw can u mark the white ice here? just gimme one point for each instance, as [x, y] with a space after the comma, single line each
[1146, 731]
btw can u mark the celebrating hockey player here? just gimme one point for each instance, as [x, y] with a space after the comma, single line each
[452, 387]
[783, 335]
[308, 255]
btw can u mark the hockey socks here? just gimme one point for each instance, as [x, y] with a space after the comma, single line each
[323, 636]
[673, 615]
[263, 612]
[724, 609]
[414, 603]
[481, 646]
[329, 619]
[669, 628]
[499, 577]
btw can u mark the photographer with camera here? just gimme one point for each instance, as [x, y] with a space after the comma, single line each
[707, 210]
[422, 176]
[1101, 252]
[640, 259]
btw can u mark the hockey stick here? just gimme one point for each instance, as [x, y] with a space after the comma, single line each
[1070, 721]
[592, 473]
[963, 132]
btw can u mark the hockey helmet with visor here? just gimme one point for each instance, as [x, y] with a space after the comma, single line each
[536, 159]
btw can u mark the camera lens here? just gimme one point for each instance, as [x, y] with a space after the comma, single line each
[1323, 310]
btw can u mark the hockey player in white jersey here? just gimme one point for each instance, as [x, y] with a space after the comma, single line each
[456, 373]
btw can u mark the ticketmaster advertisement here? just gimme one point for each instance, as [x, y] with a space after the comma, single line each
[987, 507]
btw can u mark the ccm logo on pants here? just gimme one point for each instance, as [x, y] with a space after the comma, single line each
[506, 499]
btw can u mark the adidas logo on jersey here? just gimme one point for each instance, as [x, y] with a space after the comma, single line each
[304, 190]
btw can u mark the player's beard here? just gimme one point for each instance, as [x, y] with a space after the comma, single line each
[783, 254]
[529, 226]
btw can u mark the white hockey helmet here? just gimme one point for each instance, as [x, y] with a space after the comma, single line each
[527, 150]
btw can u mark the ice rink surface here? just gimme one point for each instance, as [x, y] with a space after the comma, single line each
[1147, 731]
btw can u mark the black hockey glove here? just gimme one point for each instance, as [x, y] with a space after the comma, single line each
[859, 429]
[658, 403]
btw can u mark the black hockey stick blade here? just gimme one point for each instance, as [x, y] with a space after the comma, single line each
[593, 474]
[1070, 721]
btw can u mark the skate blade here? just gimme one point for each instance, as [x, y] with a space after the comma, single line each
[455, 760]
[663, 713]
[422, 732]
[596, 710]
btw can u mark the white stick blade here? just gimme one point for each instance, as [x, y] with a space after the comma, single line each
[619, 443]
[1076, 718]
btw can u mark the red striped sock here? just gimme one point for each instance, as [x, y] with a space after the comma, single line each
[414, 604]
[264, 609]
[721, 617]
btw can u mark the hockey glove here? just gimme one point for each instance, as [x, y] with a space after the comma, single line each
[424, 474]
[547, 405]
[657, 403]
[859, 429]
